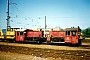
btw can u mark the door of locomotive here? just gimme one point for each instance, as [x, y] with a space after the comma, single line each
[19, 36]
[74, 37]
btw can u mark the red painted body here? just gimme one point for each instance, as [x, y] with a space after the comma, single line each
[72, 36]
[57, 33]
[19, 36]
[67, 39]
[33, 36]
[31, 33]
[71, 39]
[56, 36]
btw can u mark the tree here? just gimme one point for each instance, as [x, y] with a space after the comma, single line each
[86, 32]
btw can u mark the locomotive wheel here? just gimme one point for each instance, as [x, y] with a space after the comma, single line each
[8, 41]
[38, 42]
[14, 41]
[80, 42]
[48, 42]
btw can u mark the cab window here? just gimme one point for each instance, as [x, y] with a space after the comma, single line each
[67, 33]
[10, 29]
[73, 33]
[17, 33]
[21, 33]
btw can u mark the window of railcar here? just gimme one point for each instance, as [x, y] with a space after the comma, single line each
[67, 33]
[11, 29]
[8, 29]
[73, 33]
[21, 33]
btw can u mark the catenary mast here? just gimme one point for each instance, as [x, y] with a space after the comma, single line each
[8, 17]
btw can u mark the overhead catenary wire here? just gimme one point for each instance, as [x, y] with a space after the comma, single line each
[18, 9]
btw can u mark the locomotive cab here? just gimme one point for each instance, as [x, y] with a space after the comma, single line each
[72, 35]
[19, 36]
[10, 33]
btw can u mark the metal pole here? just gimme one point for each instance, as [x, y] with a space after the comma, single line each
[45, 22]
[8, 17]
[45, 28]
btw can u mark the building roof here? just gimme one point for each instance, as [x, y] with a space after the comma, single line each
[71, 29]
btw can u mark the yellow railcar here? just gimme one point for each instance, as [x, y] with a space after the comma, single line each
[1, 35]
[10, 33]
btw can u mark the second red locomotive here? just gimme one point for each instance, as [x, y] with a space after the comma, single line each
[69, 35]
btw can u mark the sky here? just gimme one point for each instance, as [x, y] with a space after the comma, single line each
[59, 13]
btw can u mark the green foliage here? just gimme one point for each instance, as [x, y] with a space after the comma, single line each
[86, 32]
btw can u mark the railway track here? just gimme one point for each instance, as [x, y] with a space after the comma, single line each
[44, 53]
[83, 46]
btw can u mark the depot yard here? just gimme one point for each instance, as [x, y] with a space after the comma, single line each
[18, 51]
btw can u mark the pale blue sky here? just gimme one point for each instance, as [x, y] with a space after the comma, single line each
[31, 13]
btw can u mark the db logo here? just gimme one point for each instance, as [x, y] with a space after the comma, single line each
[67, 38]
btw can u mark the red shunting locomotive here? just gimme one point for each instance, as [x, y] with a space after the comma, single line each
[69, 35]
